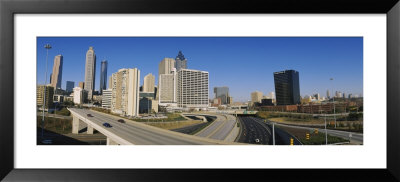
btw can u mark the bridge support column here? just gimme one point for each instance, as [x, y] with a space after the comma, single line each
[111, 142]
[75, 125]
[89, 129]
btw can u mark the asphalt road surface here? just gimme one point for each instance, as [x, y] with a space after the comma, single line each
[255, 128]
[141, 134]
[220, 128]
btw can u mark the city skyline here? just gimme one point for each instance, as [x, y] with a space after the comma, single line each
[237, 63]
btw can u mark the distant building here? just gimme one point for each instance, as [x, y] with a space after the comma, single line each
[317, 97]
[90, 72]
[103, 76]
[40, 90]
[350, 96]
[56, 76]
[328, 94]
[180, 61]
[82, 85]
[147, 103]
[230, 100]
[287, 87]
[256, 97]
[70, 86]
[267, 102]
[192, 88]
[106, 100]
[58, 98]
[80, 95]
[222, 93]
[125, 92]
[167, 88]
[148, 83]
[165, 67]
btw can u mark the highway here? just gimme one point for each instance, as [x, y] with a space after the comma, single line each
[137, 133]
[357, 138]
[255, 128]
[220, 128]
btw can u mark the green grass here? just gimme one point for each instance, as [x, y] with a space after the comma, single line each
[319, 139]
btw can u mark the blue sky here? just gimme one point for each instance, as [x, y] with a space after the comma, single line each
[244, 64]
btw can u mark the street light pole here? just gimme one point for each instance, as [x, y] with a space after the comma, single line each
[47, 47]
[326, 133]
[273, 133]
[334, 109]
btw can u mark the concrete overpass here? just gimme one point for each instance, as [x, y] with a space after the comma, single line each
[134, 133]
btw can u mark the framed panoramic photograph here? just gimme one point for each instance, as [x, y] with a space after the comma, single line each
[194, 91]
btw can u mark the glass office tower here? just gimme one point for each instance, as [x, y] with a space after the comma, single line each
[287, 87]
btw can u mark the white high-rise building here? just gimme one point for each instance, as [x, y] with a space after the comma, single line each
[90, 72]
[106, 100]
[56, 76]
[192, 88]
[125, 92]
[148, 83]
[80, 95]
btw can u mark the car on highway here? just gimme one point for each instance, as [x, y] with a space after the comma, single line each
[257, 140]
[107, 125]
[121, 121]
[89, 115]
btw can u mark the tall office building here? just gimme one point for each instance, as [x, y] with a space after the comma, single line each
[107, 97]
[287, 87]
[82, 85]
[222, 93]
[167, 88]
[40, 89]
[180, 61]
[256, 97]
[90, 72]
[164, 67]
[192, 88]
[56, 76]
[148, 83]
[328, 94]
[125, 92]
[69, 86]
[103, 76]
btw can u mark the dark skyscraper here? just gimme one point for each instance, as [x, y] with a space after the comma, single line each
[103, 76]
[70, 86]
[287, 87]
[222, 93]
[180, 62]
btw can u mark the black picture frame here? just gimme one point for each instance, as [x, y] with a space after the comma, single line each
[9, 8]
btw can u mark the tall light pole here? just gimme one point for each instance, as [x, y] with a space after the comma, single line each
[47, 47]
[334, 109]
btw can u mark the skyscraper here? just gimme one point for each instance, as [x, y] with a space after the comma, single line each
[70, 86]
[328, 94]
[256, 97]
[148, 83]
[125, 92]
[90, 72]
[82, 85]
[222, 93]
[103, 76]
[180, 61]
[164, 67]
[287, 87]
[56, 76]
[192, 88]
[167, 88]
